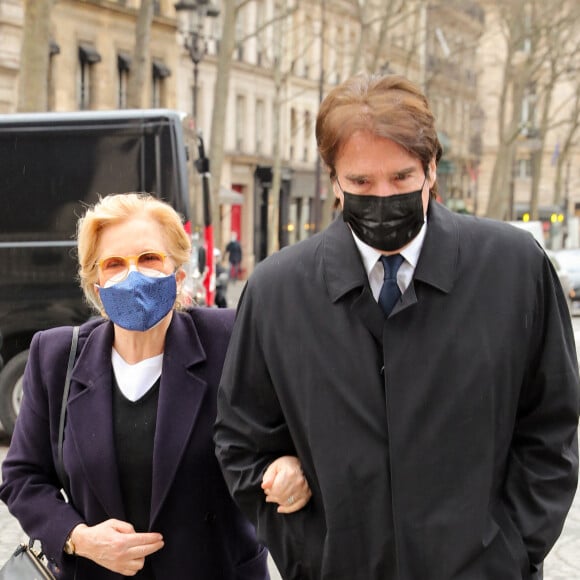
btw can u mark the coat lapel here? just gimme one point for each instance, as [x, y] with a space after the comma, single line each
[90, 420]
[180, 398]
[440, 252]
[344, 272]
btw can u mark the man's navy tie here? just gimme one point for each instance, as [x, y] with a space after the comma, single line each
[390, 292]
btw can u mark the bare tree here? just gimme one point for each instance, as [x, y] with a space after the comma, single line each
[538, 52]
[282, 70]
[141, 59]
[518, 69]
[279, 78]
[391, 10]
[228, 43]
[566, 117]
[569, 140]
[360, 8]
[35, 56]
[218, 119]
[561, 49]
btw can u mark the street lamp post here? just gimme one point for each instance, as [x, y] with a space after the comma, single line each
[196, 12]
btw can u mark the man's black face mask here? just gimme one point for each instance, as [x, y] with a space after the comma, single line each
[384, 222]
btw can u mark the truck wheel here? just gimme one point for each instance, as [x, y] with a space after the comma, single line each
[11, 390]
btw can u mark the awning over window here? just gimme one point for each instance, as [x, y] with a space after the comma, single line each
[88, 54]
[230, 196]
[160, 69]
[303, 184]
[123, 62]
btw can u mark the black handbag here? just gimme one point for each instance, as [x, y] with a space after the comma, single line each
[26, 563]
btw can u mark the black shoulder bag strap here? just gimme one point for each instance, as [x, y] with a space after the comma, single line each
[71, 361]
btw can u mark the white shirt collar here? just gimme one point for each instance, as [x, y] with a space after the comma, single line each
[370, 256]
[135, 380]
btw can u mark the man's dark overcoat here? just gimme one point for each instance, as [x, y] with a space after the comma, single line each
[441, 443]
[205, 534]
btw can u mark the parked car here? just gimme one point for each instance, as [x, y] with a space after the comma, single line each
[565, 279]
[533, 227]
[569, 261]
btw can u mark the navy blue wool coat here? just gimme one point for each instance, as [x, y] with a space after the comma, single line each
[205, 534]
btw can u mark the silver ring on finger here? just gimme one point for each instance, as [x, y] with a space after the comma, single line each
[290, 500]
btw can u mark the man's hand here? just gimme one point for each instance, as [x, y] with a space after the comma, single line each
[285, 484]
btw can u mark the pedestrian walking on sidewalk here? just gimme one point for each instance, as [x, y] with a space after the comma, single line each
[234, 252]
[418, 364]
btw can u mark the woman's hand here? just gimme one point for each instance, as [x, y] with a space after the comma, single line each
[115, 545]
[285, 484]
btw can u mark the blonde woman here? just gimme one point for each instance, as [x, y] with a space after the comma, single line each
[147, 498]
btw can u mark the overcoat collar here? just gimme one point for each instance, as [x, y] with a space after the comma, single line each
[344, 273]
[90, 420]
[344, 270]
[440, 252]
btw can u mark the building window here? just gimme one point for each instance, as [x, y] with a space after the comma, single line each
[215, 33]
[123, 69]
[240, 33]
[88, 57]
[240, 121]
[293, 132]
[524, 168]
[307, 134]
[160, 71]
[53, 51]
[528, 114]
[524, 38]
[260, 34]
[260, 125]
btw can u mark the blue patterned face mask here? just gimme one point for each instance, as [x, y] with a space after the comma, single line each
[139, 302]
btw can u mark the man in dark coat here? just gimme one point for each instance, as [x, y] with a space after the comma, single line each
[439, 435]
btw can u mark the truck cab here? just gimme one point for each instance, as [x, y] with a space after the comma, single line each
[52, 166]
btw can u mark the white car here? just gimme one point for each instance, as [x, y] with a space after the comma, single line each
[567, 264]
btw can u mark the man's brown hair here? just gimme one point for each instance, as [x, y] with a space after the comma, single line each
[388, 106]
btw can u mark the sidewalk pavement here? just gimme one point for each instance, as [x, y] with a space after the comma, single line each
[234, 291]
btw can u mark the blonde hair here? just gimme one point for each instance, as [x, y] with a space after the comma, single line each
[117, 208]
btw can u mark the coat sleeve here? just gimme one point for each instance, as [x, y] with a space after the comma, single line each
[542, 470]
[250, 431]
[30, 485]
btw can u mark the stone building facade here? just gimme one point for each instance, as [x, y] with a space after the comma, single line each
[11, 18]
[560, 215]
[277, 78]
